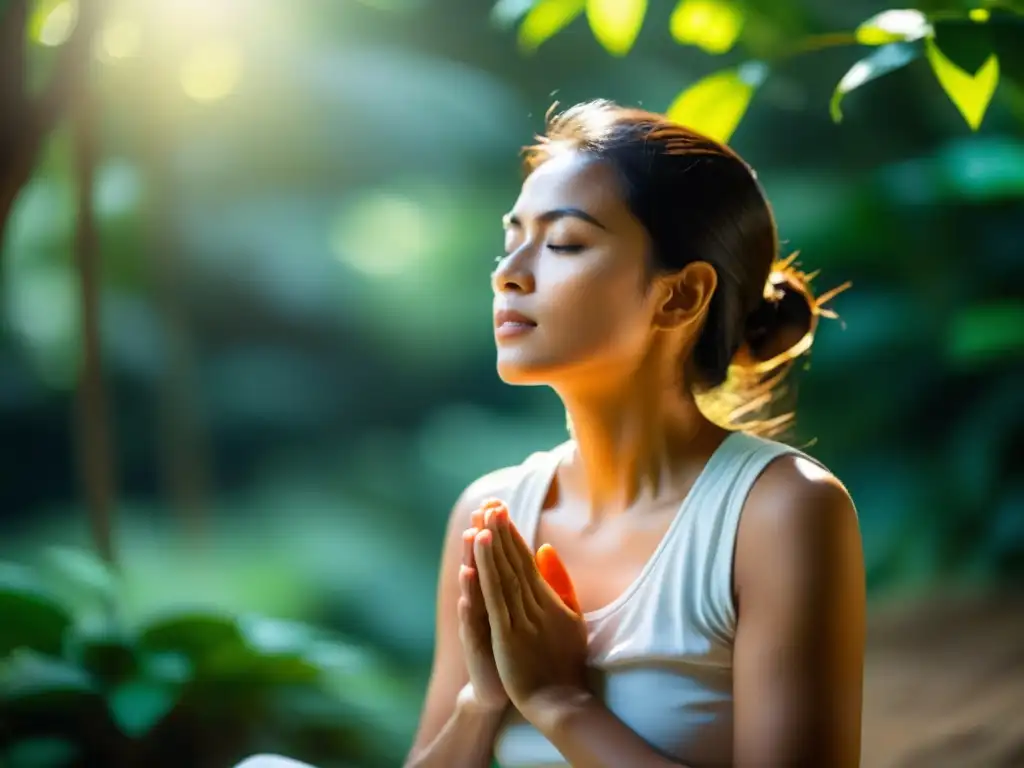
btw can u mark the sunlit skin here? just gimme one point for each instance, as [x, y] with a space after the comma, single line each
[577, 310]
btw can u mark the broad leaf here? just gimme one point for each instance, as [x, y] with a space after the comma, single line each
[715, 105]
[711, 25]
[616, 23]
[197, 636]
[109, 657]
[545, 20]
[971, 94]
[138, 705]
[893, 26]
[883, 61]
[82, 576]
[34, 682]
[52, 21]
[30, 617]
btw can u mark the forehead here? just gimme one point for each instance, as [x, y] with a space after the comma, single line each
[573, 179]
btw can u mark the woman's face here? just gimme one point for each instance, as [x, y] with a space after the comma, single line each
[570, 301]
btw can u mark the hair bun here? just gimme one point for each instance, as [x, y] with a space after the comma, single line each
[782, 325]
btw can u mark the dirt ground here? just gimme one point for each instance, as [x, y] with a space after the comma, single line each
[944, 684]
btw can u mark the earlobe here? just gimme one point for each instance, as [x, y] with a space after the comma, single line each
[686, 296]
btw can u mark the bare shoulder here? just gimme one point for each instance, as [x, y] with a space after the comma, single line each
[494, 485]
[796, 491]
[800, 517]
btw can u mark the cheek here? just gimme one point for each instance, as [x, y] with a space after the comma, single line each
[602, 306]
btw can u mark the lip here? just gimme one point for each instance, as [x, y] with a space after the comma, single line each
[509, 323]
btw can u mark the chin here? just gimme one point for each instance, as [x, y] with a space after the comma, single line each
[517, 377]
[520, 372]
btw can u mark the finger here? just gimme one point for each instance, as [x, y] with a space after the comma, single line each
[467, 546]
[490, 583]
[554, 572]
[521, 571]
[481, 516]
[469, 631]
[513, 586]
[469, 588]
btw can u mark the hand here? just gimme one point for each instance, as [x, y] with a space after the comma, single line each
[554, 573]
[539, 642]
[474, 629]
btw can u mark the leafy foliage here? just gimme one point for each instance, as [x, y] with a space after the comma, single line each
[715, 105]
[960, 47]
[200, 688]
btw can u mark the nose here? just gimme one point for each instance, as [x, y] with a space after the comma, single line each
[514, 274]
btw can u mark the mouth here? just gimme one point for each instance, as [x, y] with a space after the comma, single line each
[509, 323]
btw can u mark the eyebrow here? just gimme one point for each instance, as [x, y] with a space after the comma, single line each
[511, 220]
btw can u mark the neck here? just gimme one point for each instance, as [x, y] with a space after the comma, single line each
[629, 440]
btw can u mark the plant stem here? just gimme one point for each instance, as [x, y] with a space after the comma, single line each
[815, 43]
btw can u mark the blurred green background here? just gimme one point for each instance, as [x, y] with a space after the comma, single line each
[297, 207]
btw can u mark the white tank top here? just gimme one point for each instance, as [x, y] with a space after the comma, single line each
[661, 653]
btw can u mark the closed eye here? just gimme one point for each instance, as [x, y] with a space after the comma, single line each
[567, 248]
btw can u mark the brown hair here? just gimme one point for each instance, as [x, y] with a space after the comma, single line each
[699, 201]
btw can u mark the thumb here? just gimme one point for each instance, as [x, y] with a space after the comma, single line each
[553, 570]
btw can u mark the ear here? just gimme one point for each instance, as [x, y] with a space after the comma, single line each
[685, 296]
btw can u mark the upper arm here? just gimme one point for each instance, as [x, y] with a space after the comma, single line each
[799, 650]
[448, 674]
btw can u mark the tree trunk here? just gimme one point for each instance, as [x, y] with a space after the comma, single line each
[95, 451]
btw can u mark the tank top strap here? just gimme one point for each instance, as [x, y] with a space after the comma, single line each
[724, 490]
[526, 498]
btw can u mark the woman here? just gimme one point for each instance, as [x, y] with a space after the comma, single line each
[719, 575]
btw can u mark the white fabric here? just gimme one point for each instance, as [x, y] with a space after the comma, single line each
[271, 761]
[661, 653]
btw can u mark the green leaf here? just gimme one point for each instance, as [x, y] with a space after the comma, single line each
[167, 666]
[893, 26]
[41, 753]
[52, 21]
[988, 331]
[545, 20]
[196, 635]
[971, 94]
[31, 681]
[270, 636]
[715, 104]
[616, 23]
[139, 705]
[85, 576]
[711, 25]
[30, 617]
[883, 61]
[109, 657]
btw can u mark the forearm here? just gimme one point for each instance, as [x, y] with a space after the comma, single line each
[588, 735]
[466, 741]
